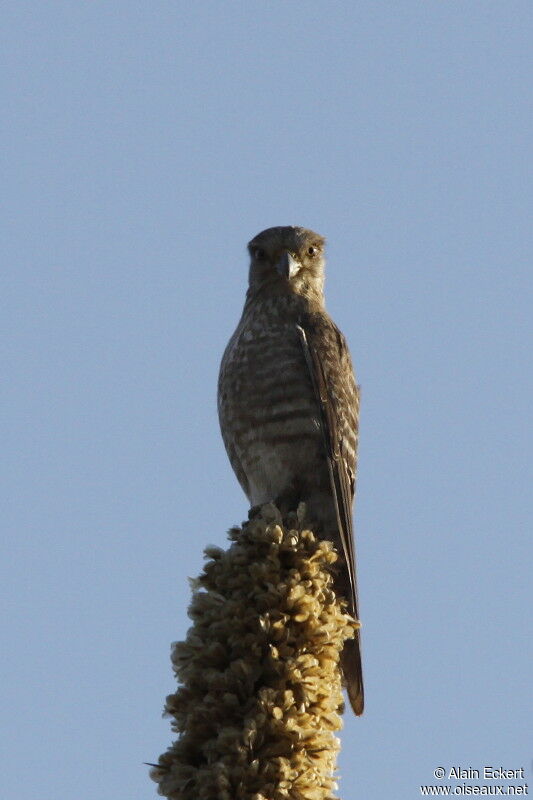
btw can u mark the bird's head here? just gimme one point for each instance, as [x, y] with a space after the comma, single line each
[287, 260]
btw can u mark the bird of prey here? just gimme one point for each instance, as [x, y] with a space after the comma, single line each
[288, 404]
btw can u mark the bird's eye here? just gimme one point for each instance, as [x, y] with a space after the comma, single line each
[312, 251]
[258, 253]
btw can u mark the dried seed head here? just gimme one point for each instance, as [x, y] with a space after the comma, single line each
[260, 693]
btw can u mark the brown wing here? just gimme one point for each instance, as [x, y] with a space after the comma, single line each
[330, 368]
[329, 364]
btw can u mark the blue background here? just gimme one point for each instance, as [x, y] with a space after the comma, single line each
[145, 144]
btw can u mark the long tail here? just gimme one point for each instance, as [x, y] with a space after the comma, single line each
[353, 673]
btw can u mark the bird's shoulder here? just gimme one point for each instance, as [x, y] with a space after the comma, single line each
[334, 378]
[326, 338]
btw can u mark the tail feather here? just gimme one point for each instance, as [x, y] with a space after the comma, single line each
[353, 673]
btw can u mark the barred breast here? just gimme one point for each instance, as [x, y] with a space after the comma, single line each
[267, 408]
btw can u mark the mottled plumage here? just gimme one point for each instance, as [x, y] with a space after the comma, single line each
[288, 403]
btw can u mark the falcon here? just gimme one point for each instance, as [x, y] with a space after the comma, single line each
[288, 405]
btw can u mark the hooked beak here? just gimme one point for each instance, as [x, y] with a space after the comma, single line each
[287, 265]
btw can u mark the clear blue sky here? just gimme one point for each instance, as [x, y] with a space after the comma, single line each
[145, 144]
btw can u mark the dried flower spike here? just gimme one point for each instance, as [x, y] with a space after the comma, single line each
[260, 695]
